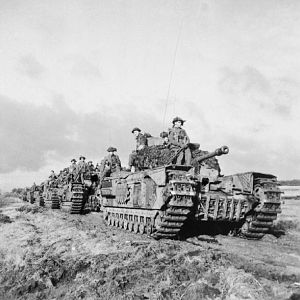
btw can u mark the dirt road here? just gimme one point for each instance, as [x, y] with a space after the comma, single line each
[48, 254]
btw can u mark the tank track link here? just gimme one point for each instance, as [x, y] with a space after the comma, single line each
[260, 222]
[75, 204]
[158, 224]
[174, 217]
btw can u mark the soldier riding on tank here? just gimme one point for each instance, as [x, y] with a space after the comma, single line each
[110, 163]
[52, 178]
[72, 170]
[141, 143]
[81, 169]
[179, 141]
[164, 135]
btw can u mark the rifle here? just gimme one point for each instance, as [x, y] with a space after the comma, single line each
[177, 153]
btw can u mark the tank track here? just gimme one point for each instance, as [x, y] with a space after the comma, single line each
[32, 199]
[177, 211]
[75, 204]
[158, 224]
[261, 220]
[41, 200]
[53, 201]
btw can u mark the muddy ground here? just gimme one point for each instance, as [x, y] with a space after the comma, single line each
[47, 254]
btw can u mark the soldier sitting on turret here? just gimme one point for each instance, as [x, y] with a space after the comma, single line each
[141, 143]
[179, 141]
[110, 163]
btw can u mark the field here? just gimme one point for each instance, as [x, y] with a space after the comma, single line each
[47, 254]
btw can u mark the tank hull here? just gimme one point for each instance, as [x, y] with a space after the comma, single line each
[157, 202]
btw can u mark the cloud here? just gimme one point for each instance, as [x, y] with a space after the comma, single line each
[29, 65]
[252, 153]
[32, 135]
[246, 80]
[275, 95]
[84, 68]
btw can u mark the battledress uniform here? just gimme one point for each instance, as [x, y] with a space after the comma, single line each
[110, 164]
[178, 139]
[81, 169]
[141, 143]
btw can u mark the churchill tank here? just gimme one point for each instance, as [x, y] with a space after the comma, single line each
[256, 195]
[74, 194]
[161, 198]
[50, 195]
[38, 195]
[71, 197]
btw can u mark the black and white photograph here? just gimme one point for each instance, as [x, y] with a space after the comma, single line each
[149, 149]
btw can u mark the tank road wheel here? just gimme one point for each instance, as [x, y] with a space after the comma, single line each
[149, 229]
[125, 225]
[121, 223]
[135, 227]
[41, 202]
[142, 228]
[130, 226]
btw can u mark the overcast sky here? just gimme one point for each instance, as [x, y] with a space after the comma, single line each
[77, 76]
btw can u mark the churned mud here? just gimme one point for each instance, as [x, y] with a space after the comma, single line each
[48, 254]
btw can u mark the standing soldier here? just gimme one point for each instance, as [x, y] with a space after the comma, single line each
[91, 167]
[179, 141]
[110, 163]
[72, 170]
[141, 143]
[97, 168]
[81, 168]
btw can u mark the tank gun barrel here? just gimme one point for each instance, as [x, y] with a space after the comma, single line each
[218, 152]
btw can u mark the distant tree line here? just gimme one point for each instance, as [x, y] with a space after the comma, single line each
[290, 182]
